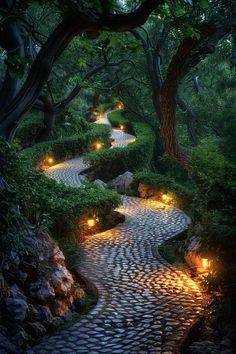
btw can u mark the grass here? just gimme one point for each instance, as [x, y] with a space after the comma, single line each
[170, 251]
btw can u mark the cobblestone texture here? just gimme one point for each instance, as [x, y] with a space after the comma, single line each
[145, 304]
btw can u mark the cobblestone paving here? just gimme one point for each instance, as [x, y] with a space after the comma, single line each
[145, 304]
[69, 171]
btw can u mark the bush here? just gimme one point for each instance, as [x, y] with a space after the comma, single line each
[107, 164]
[28, 195]
[65, 148]
[28, 130]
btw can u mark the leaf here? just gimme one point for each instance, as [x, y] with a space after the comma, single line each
[204, 4]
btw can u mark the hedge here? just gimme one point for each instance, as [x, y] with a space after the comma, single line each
[107, 164]
[65, 148]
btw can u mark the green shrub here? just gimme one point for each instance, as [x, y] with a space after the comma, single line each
[28, 130]
[107, 164]
[65, 148]
[28, 195]
[69, 123]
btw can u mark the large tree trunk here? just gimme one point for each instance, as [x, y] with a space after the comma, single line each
[191, 120]
[48, 121]
[70, 27]
[11, 40]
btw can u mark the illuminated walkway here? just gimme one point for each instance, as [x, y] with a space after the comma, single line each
[69, 170]
[145, 305]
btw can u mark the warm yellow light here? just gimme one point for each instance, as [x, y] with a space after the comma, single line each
[50, 160]
[205, 263]
[121, 127]
[91, 222]
[99, 116]
[120, 105]
[166, 198]
[98, 146]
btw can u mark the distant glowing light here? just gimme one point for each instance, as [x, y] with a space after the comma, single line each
[98, 146]
[99, 116]
[122, 127]
[91, 222]
[120, 105]
[50, 160]
[205, 263]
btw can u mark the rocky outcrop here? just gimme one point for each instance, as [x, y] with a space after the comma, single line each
[122, 182]
[100, 184]
[38, 292]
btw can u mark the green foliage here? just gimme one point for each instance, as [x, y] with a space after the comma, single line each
[164, 184]
[116, 118]
[214, 215]
[28, 130]
[65, 148]
[31, 196]
[171, 251]
[69, 123]
[107, 164]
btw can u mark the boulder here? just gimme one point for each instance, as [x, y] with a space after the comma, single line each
[59, 308]
[57, 256]
[122, 182]
[100, 184]
[16, 292]
[145, 190]
[62, 281]
[41, 290]
[44, 315]
[16, 309]
[36, 329]
[192, 254]
[32, 312]
[78, 294]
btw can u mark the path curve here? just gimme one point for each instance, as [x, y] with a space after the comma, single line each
[145, 304]
[70, 170]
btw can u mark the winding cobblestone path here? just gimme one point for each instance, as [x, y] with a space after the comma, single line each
[145, 304]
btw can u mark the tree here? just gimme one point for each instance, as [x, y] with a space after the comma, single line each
[77, 20]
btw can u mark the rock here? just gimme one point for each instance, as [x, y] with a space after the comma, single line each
[122, 182]
[32, 312]
[6, 346]
[21, 276]
[100, 184]
[145, 190]
[29, 265]
[36, 329]
[191, 253]
[57, 256]
[62, 281]
[57, 321]
[78, 294]
[59, 308]
[16, 293]
[41, 290]
[44, 315]
[16, 309]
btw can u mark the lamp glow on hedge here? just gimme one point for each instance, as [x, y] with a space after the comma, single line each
[120, 105]
[99, 116]
[92, 222]
[166, 198]
[122, 127]
[50, 160]
[206, 263]
[99, 146]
